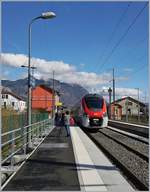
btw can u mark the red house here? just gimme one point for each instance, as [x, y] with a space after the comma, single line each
[42, 97]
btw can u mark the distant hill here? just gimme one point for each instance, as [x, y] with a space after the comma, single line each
[70, 94]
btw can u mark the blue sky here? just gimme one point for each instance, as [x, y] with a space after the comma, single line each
[77, 44]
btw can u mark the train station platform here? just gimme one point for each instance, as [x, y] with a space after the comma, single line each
[64, 163]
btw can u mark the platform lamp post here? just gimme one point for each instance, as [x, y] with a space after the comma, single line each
[30, 67]
[46, 15]
[113, 90]
[33, 68]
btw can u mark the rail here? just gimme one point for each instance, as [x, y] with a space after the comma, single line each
[15, 141]
[140, 130]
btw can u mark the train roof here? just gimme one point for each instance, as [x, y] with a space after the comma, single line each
[93, 95]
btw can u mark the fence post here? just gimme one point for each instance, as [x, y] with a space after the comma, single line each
[38, 130]
[41, 129]
[12, 148]
[24, 140]
[47, 125]
[43, 132]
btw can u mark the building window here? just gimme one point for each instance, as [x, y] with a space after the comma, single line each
[130, 103]
[13, 104]
[142, 110]
[129, 111]
[6, 96]
[3, 96]
[5, 105]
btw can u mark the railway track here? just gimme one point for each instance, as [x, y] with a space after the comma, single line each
[130, 135]
[128, 154]
[132, 144]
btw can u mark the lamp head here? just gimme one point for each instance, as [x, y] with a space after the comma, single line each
[23, 66]
[48, 15]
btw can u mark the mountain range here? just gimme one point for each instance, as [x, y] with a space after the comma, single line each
[70, 94]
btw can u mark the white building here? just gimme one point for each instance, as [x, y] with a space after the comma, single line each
[11, 100]
[131, 105]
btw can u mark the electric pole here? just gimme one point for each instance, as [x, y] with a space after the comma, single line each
[109, 91]
[113, 85]
[114, 92]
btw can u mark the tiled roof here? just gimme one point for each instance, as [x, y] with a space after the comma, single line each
[130, 99]
[5, 91]
[48, 89]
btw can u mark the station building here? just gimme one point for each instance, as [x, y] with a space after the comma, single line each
[129, 106]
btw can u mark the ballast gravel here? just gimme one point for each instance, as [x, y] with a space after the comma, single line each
[130, 142]
[132, 162]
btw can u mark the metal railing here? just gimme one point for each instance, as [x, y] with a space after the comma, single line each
[15, 141]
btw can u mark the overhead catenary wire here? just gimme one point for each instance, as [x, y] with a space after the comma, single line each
[141, 67]
[114, 31]
[141, 41]
[133, 52]
[124, 35]
[138, 70]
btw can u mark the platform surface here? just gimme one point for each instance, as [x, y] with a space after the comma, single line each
[72, 163]
[51, 167]
[96, 172]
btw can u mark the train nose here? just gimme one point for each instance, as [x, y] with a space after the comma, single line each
[96, 114]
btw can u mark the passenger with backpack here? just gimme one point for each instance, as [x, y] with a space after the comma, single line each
[67, 122]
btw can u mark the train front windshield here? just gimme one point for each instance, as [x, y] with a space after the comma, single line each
[94, 102]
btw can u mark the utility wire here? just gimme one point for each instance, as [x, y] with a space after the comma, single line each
[139, 69]
[133, 53]
[114, 31]
[138, 59]
[125, 33]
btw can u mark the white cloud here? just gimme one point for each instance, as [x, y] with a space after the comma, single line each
[118, 79]
[82, 64]
[66, 73]
[128, 69]
[119, 92]
[127, 92]
[63, 71]
[13, 60]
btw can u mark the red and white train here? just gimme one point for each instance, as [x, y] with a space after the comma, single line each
[91, 112]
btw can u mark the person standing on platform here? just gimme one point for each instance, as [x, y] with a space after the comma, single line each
[56, 119]
[62, 122]
[72, 122]
[67, 122]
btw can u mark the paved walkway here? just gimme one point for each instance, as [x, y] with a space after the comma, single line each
[50, 168]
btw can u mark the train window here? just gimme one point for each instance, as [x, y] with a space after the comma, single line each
[94, 102]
